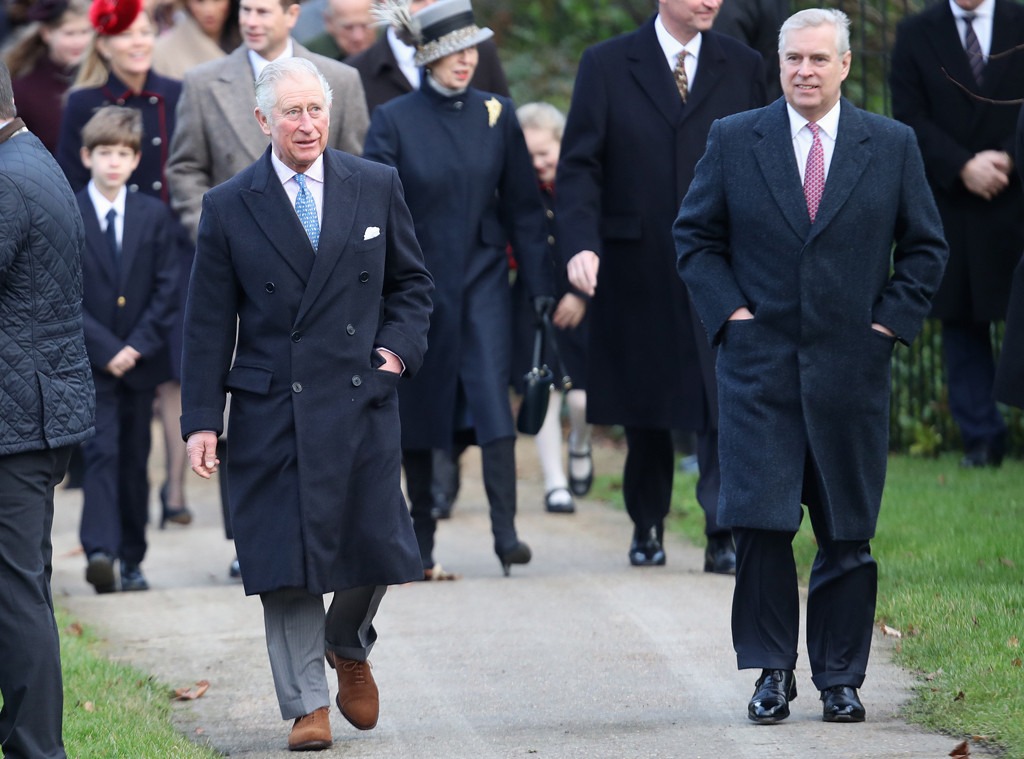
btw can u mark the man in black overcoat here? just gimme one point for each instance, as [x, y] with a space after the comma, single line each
[786, 244]
[947, 83]
[631, 142]
[1009, 387]
[312, 253]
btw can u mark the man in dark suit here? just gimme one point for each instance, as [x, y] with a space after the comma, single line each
[313, 254]
[951, 64]
[387, 69]
[640, 115]
[794, 286]
[48, 404]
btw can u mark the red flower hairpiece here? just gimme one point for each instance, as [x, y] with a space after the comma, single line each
[110, 17]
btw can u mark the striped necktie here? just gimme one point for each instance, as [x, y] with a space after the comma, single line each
[973, 49]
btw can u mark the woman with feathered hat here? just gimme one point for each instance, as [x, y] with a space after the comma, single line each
[470, 185]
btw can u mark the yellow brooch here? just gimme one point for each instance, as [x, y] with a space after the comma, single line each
[493, 111]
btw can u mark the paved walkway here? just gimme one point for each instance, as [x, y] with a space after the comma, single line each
[576, 655]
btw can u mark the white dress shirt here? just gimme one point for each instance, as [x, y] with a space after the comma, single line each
[405, 55]
[314, 183]
[102, 206]
[802, 137]
[982, 24]
[670, 46]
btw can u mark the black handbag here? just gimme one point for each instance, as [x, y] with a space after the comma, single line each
[538, 381]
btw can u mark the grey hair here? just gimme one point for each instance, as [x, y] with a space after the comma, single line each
[275, 72]
[814, 17]
[542, 116]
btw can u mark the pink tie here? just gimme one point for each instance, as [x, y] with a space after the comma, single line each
[814, 176]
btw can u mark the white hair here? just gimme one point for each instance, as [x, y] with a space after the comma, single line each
[543, 117]
[289, 68]
[813, 17]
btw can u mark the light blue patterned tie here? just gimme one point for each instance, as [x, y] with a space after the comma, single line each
[306, 210]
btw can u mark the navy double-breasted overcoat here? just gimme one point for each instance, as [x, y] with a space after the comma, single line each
[314, 473]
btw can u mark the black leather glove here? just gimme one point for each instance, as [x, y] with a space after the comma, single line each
[543, 305]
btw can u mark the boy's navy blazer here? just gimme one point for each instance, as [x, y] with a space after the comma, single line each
[139, 307]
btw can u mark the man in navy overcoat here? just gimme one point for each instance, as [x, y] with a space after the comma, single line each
[631, 143]
[965, 125]
[795, 288]
[329, 312]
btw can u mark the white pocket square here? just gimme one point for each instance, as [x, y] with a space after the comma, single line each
[371, 232]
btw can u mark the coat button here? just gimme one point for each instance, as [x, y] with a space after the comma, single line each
[350, 329]
[153, 100]
[296, 387]
[157, 185]
[269, 287]
[356, 380]
[364, 276]
[296, 336]
[121, 301]
[157, 141]
[550, 214]
[551, 239]
[133, 188]
[457, 105]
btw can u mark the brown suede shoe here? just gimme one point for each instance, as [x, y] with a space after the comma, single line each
[311, 732]
[357, 692]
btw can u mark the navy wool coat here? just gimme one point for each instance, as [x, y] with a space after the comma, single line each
[804, 386]
[314, 473]
[1009, 384]
[985, 236]
[471, 188]
[628, 156]
[157, 103]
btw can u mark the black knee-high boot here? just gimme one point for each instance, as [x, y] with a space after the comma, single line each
[499, 470]
[419, 474]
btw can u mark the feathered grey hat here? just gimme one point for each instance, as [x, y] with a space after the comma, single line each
[440, 29]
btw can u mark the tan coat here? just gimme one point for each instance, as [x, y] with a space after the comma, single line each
[183, 47]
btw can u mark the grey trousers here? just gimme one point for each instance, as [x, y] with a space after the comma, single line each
[298, 634]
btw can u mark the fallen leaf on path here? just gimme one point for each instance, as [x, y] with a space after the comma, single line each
[932, 675]
[196, 691]
[961, 749]
[1013, 642]
[89, 706]
[75, 629]
[959, 696]
[891, 632]
[1007, 563]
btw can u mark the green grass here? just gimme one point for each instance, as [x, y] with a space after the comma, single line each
[950, 549]
[112, 710]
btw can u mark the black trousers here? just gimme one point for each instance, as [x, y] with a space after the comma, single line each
[840, 605]
[30, 676]
[115, 485]
[647, 478]
[970, 374]
[499, 472]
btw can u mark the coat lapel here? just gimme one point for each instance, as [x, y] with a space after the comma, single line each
[710, 66]
[1004, 35]
[97, 240]
[650, 70]
[131, 239]
[774, 155]
[234, 96]
[269, 205]
[849, 160]
[341, 196]
[948, 48]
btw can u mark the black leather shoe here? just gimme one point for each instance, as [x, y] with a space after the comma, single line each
[132, 577]
[842, 704]
[720, 555]
[235, 570]
[984, 455]
[99, 572]
[555, 503]
[773, 691]
[174, 514]
[646, 549]
[518, 554]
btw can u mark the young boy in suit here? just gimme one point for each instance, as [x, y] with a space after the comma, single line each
[130, 279]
